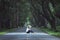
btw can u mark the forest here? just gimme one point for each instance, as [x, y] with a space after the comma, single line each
[40, 13]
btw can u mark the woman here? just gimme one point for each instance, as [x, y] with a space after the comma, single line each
[28, 30]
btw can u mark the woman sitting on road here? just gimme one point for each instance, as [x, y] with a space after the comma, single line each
[28, 30]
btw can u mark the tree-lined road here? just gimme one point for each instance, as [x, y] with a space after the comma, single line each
[16, 35]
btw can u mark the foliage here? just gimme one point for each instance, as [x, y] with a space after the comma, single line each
[14, 13]
[50, 32]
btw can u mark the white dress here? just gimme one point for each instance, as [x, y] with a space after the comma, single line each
[28, 28]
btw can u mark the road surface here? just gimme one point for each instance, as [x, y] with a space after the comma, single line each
[19, 34]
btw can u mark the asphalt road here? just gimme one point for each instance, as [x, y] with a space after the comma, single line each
[19, 34]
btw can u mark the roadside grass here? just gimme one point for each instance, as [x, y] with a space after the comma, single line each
[4, 31]
[50, 32]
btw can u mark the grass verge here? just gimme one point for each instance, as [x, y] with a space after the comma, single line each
[4, 31]
[50, 32]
